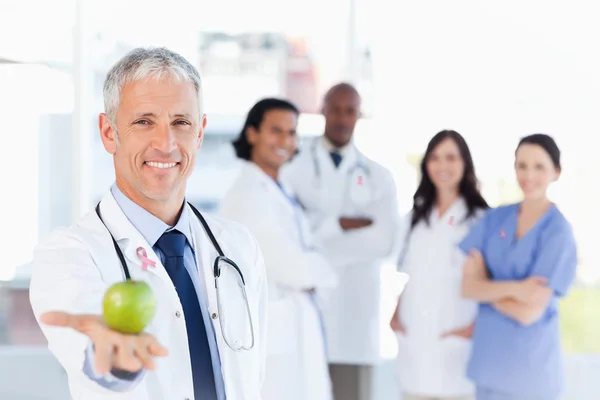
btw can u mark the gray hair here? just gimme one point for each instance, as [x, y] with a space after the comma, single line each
[143, 63]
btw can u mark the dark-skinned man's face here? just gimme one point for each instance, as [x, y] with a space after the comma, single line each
[341, 110]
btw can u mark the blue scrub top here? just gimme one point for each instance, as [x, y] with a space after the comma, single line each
[507, 357]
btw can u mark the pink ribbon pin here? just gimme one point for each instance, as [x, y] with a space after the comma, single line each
[451, 221]
[502, 234]
[360, 180]
[141, 253]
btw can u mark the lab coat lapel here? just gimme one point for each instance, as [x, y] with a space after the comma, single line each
[325, 162]
[206, 255]
[327, 166]
[332, 189]
[348, 161]
[457, 213]
[454, 216]
[129, 240]
[262, 180]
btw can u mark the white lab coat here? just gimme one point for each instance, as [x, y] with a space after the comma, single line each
[74, 266]
[296, 363]
[352, 311]
[431, 305]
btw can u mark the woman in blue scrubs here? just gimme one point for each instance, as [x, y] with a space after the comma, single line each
[521, 259]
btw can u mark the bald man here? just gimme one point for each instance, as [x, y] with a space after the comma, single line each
[351, 204]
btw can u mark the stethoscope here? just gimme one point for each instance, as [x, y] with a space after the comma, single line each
[353, 172]
[216, 273]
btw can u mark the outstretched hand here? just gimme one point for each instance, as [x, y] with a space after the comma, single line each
[112, 349]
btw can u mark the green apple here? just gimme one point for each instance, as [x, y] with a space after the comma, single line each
[129, 306]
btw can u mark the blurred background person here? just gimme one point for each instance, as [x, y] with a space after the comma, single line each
[296, 361]
[432, 321]
[352, 207]
[522, 260]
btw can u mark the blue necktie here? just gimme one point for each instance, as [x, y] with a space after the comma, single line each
[172, 245]
[336, 157]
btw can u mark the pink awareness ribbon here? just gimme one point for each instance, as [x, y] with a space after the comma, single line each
[141, 253]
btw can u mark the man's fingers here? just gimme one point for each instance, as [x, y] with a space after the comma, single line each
[58, 318]
[112, 349]
[103, 356]
[125, 354]
[83, 323]
[142, 353]
[156, 349]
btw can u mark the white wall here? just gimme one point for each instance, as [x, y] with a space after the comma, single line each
[496, 71]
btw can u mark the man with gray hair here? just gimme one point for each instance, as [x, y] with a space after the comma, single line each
[207, 338]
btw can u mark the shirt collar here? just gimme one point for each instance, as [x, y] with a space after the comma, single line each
[330, 147]
[147, 224]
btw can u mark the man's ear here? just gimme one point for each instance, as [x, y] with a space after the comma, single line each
[108, 134]
[200, 137]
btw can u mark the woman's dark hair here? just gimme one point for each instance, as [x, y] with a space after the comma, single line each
[256, 115]
[425, 195]
[545, 142]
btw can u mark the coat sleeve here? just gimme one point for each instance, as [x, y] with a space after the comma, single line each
[65, 278]
[378, 241]
[287, 263]
[296, 177]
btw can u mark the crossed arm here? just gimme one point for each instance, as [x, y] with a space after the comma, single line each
[524, 301]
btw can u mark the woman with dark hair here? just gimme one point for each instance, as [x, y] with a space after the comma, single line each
[432, 321]
[256, 116]
[522, 259]
[296, 365]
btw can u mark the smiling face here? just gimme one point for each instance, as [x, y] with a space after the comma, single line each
[535, 171]
[157, 135]
[275, 141]
[445, 166]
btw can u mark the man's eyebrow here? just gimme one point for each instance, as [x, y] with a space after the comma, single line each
[145, 114]
[181, 115]
[153, 115]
